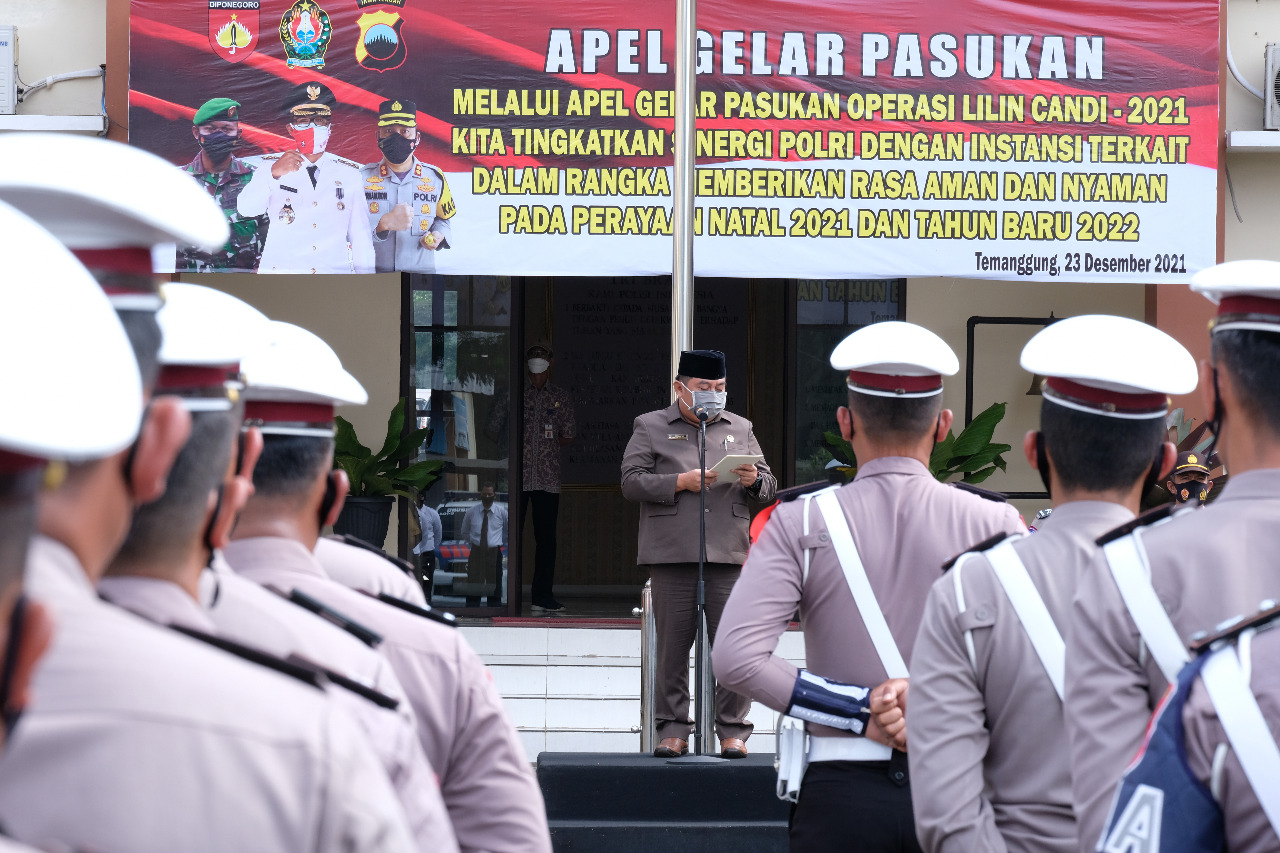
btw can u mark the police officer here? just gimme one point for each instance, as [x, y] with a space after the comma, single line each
[161, 572]
[294, 384]
[989, 762]
[410, 207]
[1189, 483]
[361, 566]
[42, 280]
[124, 709]
[310, 196]
[858, 561]
[660, 472]
[1154, 585]
[1208, 776]
[216, 128]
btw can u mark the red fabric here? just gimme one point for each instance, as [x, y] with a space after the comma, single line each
[177, 376]
[268, 411]
[1120, 401]
[888, 382]
[1250, 305]
[134, 260]
[14, 463]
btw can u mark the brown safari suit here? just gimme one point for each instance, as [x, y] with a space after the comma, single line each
[664, 445]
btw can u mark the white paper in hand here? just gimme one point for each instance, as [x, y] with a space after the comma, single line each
[726, 465]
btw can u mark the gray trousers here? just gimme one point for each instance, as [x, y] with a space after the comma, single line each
[675, 611]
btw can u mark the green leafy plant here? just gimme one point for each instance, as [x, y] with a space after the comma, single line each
[971, 455]
[389, 471]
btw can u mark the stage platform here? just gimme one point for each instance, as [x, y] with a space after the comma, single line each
[635, 803]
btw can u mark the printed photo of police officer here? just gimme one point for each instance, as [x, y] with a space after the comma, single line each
[216, 129]
[409, 203]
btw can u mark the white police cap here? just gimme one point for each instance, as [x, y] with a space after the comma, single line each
[1247, 294]
[72, 390]
[895, 359]
[1110, 366]
[294, 382]
[206, 334]
[120, 197]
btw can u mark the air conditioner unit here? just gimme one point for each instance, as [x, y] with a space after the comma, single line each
[8, 69]
[1271, 111]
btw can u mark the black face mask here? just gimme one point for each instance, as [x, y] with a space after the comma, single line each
[1190, 493]
[396, 148]
[219, 145]
[9, 713]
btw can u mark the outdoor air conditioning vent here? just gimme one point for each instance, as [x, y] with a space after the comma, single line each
[1271, 113]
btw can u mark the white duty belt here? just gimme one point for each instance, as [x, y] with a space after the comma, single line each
[1127, 559]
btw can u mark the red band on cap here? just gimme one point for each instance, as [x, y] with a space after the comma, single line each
[136, 261]
[174, 377]
[291, 413]
[1105, 400]
[16, 463]
[897, 384]
[1250, 305]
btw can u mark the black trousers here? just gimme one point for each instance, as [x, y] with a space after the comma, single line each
[546, 507]
[858, 806]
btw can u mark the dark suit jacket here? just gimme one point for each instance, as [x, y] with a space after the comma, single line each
[664, 445]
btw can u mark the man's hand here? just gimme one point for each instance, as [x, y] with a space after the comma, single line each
[432, 240]
[889, 712]
[691, 481]
[396, 219]
[747, 475]
[290, 161]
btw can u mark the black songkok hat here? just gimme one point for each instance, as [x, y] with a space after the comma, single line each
[702, 364]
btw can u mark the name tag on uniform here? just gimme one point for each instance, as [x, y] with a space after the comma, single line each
[677, 437]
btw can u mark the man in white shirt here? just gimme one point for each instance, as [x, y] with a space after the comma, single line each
[427, 549]
[484, 527]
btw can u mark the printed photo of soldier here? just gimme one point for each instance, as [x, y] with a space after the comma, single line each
[410, 206]
[216, 128]
[309, 195]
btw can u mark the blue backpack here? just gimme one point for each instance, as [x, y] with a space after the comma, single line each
[1160, 806]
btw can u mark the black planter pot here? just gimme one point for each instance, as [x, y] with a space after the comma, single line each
[366, 518]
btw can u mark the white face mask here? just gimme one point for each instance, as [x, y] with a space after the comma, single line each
[713, 401]
[538, 365]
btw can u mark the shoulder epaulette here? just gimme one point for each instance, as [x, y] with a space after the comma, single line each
[790, 494]
[427, 612]
[356, 542]
[267, 157]
[368, 636]
[1232, 628]
[293, 669]
[1151, 516]
[982, 493]
[985, 544]
[352, 163]
[377, 697]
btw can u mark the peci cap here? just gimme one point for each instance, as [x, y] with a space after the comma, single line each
[206, 334]
[112, 215]
[1189, 460]
[403, 113]
[310, 97]
[217, 109]
[702, 364]
[293, 382]
[895, 359]
[1247, 294]
[1110, 366]
[540, 344]
[74, 391]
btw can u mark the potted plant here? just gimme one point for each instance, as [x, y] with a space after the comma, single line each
[971, 454]
[376, 478]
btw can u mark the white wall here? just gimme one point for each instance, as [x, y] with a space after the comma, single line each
[56, 36]
[1255, 177]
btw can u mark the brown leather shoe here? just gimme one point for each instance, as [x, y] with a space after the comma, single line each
[732, 747]
[671, 747]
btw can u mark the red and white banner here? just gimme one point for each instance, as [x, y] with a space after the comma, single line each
[1061, 140]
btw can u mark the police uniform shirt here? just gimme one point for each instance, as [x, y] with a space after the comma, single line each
[124, 715]
[1248, 830]
[905, 525]
[493, 800]
[423, 188]
[664, 445]
[8, 845]
[989, 763]
[248, 614]
[1206, 566]
[364, 570]
[311, 229]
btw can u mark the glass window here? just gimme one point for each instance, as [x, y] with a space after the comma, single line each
[827, 311]
[461, 378]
